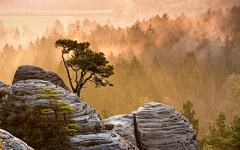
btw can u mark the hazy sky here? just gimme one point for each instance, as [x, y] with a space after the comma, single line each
[57, 4]
[138, 9]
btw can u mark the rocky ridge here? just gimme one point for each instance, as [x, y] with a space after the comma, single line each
[153, 126]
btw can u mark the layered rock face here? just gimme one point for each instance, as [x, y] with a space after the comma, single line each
[33, 72]
[160, 127]
[107, 140]
[8, 141]
[24, 92]
[156, 127]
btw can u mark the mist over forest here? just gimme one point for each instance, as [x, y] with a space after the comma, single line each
[180, 50]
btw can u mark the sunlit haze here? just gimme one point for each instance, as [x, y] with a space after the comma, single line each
[166, 51]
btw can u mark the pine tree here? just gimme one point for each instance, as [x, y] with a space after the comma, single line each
[93, 66]
[235, 128]
[227, 49]
[58, 27]
[16, 35]
[3, 32]
[57, 108]
[189, 113]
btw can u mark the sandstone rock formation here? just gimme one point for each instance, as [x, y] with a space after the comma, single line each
[8, 141]
[24, 92]
[106, 140]
[33, 72]
[154, 126]
[157, 127]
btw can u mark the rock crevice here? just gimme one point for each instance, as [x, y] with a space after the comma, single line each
[136, 132]
[156, 126]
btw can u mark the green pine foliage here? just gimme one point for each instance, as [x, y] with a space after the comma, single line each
[59, 108]
[235, 129]
[105, 113]
[189, 113]
[91, 65]
[222, 137]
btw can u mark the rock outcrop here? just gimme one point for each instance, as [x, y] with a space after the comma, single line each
[33, 72]
[3, 85]
[157, 127]
[161, 127]
[8, 141]
[154, 126]
[24, 92]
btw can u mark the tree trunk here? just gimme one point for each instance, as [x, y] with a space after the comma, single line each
[78, 93]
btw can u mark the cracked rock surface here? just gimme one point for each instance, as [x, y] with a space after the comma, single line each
[157, 127]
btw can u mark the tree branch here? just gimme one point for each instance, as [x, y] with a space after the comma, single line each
[93, 81]
[70, 80]
[76, 80]
[83, 73]
[87, 79]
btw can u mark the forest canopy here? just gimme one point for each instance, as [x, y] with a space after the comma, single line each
[162, 59]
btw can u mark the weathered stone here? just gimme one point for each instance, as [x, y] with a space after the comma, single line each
[123, 124]
[24, 92]
[3, 85]
[160, 127]
[107, 140]
[156, 126]
[8, 141]
[33, 72]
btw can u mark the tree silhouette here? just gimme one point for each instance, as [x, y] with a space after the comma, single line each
[91, 64]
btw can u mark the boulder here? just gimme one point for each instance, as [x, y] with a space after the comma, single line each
[33, 72]
[160, 127]
[156, 127]
[8, 141]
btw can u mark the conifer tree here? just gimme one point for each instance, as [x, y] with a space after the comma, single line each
[189, 113]
[16, 35]
[93, 66]
[58, 108]
[3, 32]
